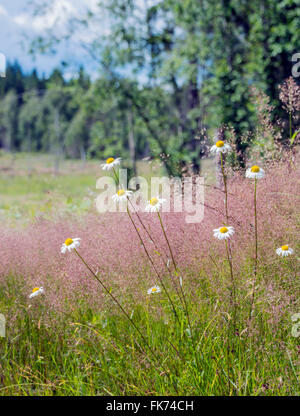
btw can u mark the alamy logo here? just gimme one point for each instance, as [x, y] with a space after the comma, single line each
[2, 65]
[179, 195]
[2, 325]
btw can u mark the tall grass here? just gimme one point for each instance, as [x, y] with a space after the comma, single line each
[76, 340]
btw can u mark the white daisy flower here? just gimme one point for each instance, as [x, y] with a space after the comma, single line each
[223, 232]
[220, 147]
[255, 172]
[36, 291]
[110, 163]
[154, 204]
[122, 195]
[70, 244]
[154, 289]
[296, 330]
[284, 251]
[295, 317]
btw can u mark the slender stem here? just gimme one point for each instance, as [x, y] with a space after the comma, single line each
[175, 267]
[232, 301]
[167, 240]
[158, 249]
[116, 176]
[228, 357]
[228, 248]
[149, 235]
[153, 265]
[135, 211]
[225, 189]
[256, 248]
[255, 215]
[160, 279]
[181, 296]
[114, 299]
[290, 120]
[122, 309]
[233, 288]
[181, 288]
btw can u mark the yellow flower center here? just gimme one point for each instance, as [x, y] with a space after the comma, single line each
[223, 230]
[35, 289]
[255, 169]
[284, 248]
[220, 143]
[121, 192]
[68, 241]
[109, 160]
[153, 201]
[154, 289]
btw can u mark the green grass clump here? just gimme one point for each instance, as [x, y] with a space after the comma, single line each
[92, 352]
[78, 348]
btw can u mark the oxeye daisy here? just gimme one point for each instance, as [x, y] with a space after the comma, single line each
[154, 289]
[284, 251]
[154, 204]
[296, 330]
[122, 195]
[111, 163]
[223, 232]
[70, 244]
[255, 172]
[36, 291]
[295, 317]
[220, 147]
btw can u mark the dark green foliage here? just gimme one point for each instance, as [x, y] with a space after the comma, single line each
[170, 74]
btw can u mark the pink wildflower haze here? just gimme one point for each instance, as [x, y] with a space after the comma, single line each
[111, 247]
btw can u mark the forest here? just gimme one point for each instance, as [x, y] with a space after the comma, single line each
[171, 79]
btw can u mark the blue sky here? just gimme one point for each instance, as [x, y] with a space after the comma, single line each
[18, 26]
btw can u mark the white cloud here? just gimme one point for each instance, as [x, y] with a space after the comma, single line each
[3, 11]
[61, 18]
[56, 16]
[2, 65]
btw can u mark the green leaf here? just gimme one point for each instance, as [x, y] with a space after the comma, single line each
[294, 136]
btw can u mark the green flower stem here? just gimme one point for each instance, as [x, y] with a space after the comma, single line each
[113, 298]
[228, 248]
[181, 288]
[233, 285]
[151, 239]
[225, 189]
[158, 250]
[256, 249]
[176, 268]
[233, 288]
[153, 265]
[123, 311]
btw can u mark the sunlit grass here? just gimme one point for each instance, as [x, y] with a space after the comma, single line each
[77, 347]
[93, 353]
[30, 187]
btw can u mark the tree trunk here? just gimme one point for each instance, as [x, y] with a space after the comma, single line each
[131, 140]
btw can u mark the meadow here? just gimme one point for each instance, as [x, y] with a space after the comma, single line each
[223, 321]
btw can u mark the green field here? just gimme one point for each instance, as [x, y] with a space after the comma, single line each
[31, 187]
[72, 346]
